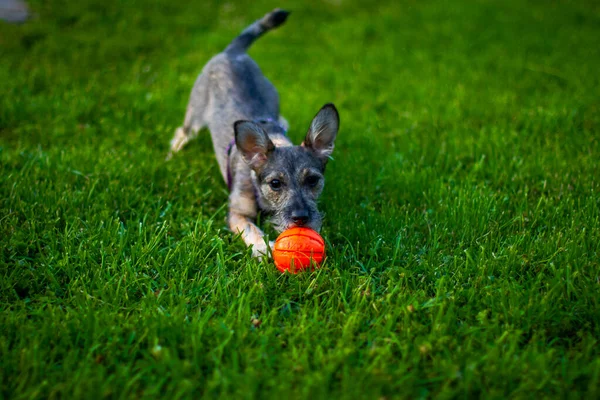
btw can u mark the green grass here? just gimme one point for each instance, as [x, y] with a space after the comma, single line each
[462, 207]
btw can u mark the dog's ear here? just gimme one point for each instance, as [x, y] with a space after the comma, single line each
[321, 135]
[253, 143]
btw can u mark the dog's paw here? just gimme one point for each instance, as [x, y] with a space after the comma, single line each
[262, 251]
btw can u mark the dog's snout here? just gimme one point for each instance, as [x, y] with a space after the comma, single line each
[300, 217]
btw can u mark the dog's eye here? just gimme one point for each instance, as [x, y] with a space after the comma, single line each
[312, 180]
[275, 184]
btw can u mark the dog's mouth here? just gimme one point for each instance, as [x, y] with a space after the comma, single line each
[281, 222]
[314, 225]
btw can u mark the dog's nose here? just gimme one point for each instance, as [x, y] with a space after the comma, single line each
[300, 217]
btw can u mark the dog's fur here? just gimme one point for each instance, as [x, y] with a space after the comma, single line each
[233, 99]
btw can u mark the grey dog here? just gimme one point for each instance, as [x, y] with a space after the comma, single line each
[263, 169]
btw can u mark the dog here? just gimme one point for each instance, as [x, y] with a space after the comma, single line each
[263, 170]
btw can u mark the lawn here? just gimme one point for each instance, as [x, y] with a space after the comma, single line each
[462, 205]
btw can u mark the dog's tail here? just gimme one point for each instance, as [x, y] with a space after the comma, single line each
[272, 20]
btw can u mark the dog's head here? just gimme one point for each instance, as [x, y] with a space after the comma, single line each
[290, 179]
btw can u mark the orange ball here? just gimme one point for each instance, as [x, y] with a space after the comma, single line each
[296, 247]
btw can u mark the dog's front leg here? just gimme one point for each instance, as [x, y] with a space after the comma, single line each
[251, 234]
[242, 211]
